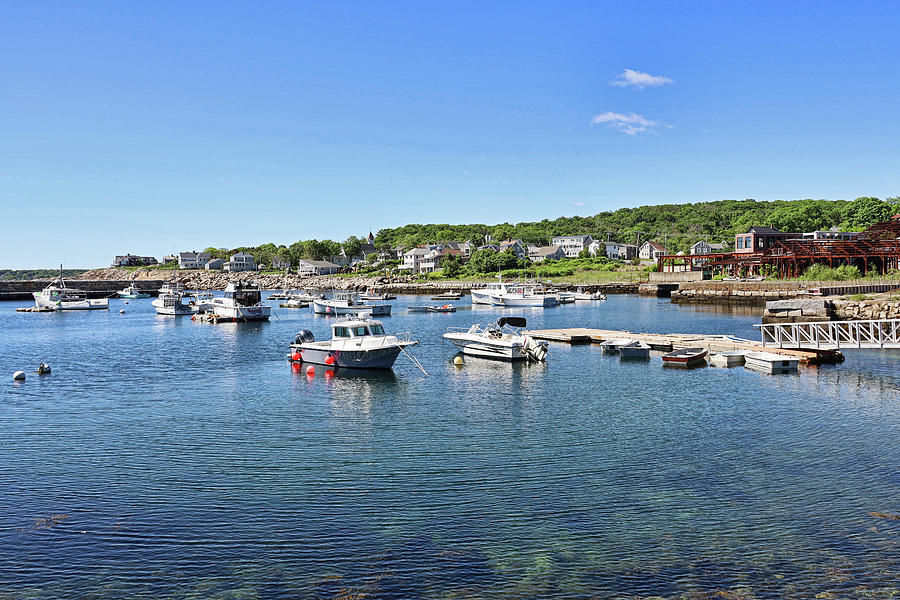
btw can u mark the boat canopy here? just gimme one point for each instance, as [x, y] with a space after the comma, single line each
[511, 321]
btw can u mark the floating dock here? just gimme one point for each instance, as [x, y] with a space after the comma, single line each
[667, 342]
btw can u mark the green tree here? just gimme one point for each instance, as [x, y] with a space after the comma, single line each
[352, 246]
[451, 265]
[865, 211]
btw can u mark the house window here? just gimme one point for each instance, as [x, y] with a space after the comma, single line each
[740, 243]
[761, 242]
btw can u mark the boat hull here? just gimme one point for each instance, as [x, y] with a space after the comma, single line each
[524, 301]
[133, 296]
[685, 359]
[242, 313]
[770, 363]
[325, 307]
[482, 297]
[379, 358]
[84, 304]
[634, 353]
[485, 349]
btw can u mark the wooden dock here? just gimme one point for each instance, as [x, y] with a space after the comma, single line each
[675, 341]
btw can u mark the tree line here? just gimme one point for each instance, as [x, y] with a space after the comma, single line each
[679, 225]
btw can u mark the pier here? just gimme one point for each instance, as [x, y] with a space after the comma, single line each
[667, 342]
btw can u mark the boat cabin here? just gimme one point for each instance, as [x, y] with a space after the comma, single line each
[343, 330]
[243, 295]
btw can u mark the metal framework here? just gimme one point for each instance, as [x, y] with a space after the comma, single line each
[832, 335]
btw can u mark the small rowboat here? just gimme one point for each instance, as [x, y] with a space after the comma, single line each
[634, 351]
[448, 296]
[612, 345]
[686, 357]
[446, 308]
[769, 362]
[733, 358]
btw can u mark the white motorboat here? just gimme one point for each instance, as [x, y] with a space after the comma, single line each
[241, 302]
[503, 340]
[173, 301]
[612, 345]
[358, 343]
[634, 351]
[769, 362]
[732, 358]
[448, 296]
[346, 303]
[373, 294]
[133, 292]
[520, 295]
[202, 301]
[580, 294]
[486, 294]
[294, 303]
[566, 297]
[58, 297]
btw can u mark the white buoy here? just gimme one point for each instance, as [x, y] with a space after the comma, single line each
[19, 376]
[126, 302]
[121, 311]
[458, 361]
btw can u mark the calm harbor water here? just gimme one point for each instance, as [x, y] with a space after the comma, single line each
[170, 458]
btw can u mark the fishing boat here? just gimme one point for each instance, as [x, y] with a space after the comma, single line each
[448, 296]
[769, 362]
[486, 294]
[173, 301]
[346, 303]
[373, 294]
[732, 358]
[503, 340]
[132, 292]
[612, 345]
[356, 343]
[634, 351]
[58, 297]
[241, 302]
[686, 357]
[521, 295]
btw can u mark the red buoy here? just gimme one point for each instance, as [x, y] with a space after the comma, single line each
[296, 367]
[329, 360]
[296, 356]
[329, 374]
[311, 371]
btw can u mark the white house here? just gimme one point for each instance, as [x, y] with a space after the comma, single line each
[620, 251]
[412, 258]
[547, 253]
[651, 251]
[193, 260]
[241, 262]
[572, 245]
[306, 266]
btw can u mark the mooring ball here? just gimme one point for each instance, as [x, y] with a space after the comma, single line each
[121, 311]
[329, 374]
[19, 376]
[311, 370]
[458, 361]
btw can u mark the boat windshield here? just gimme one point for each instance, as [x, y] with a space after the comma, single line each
[377, 330]
[341, 332]
[360, 331]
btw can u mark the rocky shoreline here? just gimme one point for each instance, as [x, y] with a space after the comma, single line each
[217, 280]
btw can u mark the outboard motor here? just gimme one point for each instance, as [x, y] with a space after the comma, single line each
[535, 350]
[304, 336]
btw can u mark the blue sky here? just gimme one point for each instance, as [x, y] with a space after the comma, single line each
[155, 127]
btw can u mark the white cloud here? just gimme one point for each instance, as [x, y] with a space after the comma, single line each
[639, 80]
[577, 203]
[631, 123]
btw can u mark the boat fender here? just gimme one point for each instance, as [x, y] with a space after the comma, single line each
[296, 356]
[329, 360]
[19, 376]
